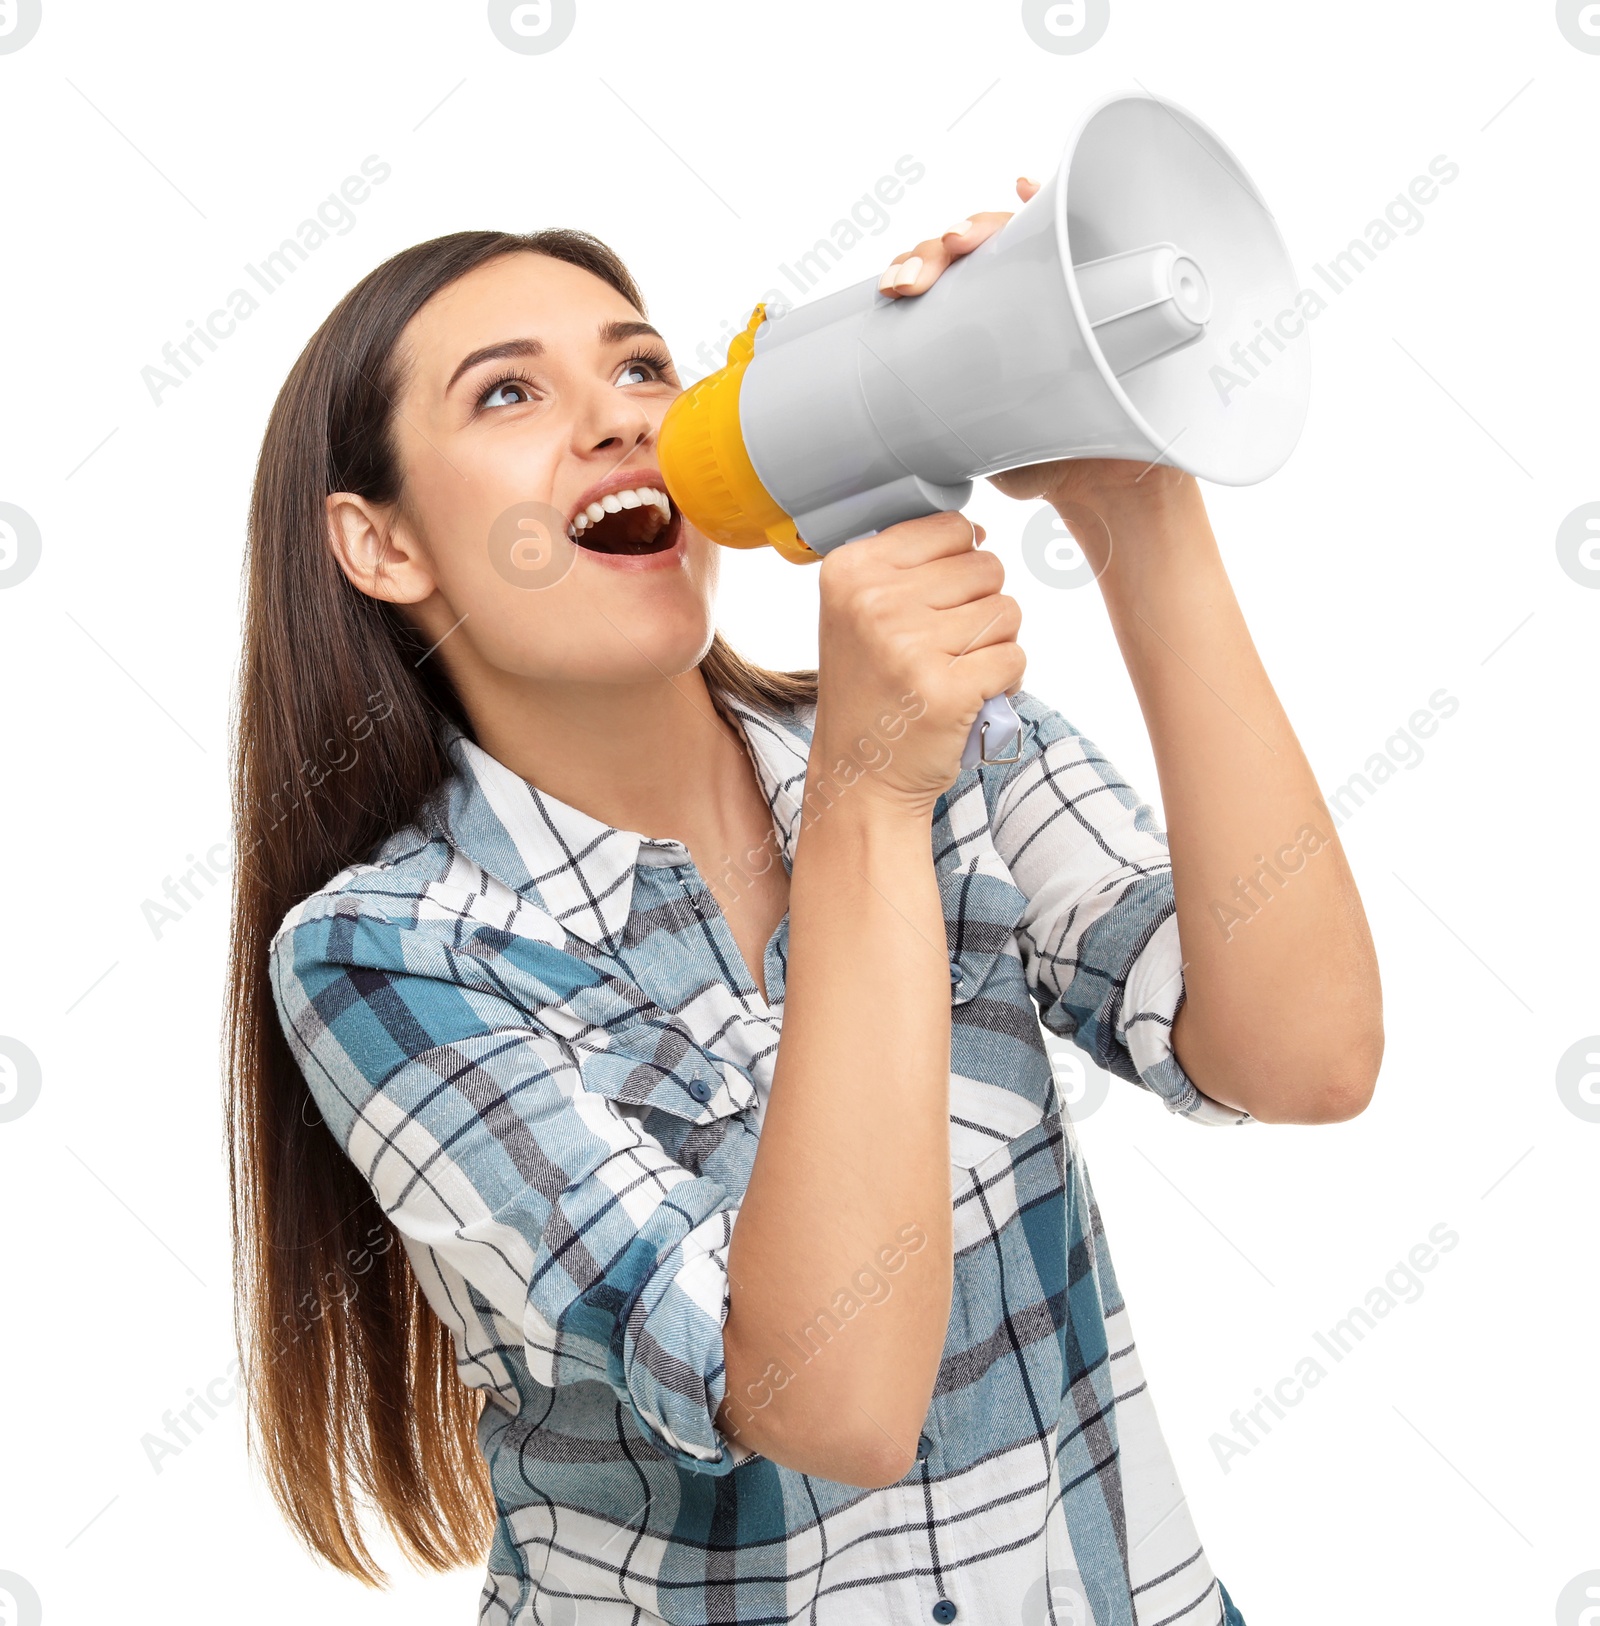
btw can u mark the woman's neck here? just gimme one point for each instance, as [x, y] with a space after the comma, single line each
[653, 757]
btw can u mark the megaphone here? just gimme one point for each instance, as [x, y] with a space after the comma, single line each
[1114, 315]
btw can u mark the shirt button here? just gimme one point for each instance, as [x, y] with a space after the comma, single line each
[955, 973]
[699, 1089]
[944, 1610]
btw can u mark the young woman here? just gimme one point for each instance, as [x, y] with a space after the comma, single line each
[535, 873]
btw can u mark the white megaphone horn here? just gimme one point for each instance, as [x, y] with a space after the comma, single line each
[1106, 318]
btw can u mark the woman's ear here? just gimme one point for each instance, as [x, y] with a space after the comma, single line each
[376, 551]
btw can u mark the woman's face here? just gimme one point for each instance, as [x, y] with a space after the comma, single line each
[533, 389]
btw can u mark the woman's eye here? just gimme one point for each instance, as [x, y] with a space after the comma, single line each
[644, 368]
[520, 393]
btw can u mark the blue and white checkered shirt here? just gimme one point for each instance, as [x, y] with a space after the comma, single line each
[536, 1038]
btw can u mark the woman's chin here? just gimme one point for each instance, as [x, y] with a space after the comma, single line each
[647, 641]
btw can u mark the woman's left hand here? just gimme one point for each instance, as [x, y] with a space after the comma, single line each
[916, 271]
[1091, 481]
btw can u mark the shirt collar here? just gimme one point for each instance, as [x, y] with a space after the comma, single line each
[581, 869]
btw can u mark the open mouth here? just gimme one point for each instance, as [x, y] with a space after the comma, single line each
[639, 520]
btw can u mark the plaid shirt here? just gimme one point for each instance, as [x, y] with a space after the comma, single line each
[535, 1036]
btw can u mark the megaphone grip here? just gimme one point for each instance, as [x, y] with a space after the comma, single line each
[996, 728]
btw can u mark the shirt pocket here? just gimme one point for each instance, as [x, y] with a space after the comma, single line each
[1000, 1082]
[657, 1066]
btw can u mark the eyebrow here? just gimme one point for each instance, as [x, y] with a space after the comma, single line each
[609, 333]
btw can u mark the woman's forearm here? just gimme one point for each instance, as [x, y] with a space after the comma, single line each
[1283, 1012]
[848, 1200]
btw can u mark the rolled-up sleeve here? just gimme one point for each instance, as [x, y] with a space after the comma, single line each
[472, 1125]
[1099, 935]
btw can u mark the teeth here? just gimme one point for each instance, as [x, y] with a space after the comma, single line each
[614, 502]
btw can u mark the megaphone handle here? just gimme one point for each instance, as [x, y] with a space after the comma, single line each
[997, 722]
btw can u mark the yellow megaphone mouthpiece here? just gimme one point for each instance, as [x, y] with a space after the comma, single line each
[707, 469]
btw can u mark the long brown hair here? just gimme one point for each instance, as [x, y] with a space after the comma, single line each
[348, 1375]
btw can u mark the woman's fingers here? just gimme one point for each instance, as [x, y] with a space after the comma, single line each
[913, 542]
[917, 271]
[959, 578]
[994, 619]
[995, 668]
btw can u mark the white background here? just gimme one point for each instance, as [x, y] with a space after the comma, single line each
[1445, 1470]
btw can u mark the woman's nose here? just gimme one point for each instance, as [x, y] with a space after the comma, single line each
[616, 424]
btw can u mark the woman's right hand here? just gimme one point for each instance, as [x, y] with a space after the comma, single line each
[914, 636]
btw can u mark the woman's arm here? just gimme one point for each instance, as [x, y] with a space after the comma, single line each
[853, 1161]
[850, 1189]
[1283, 1014]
